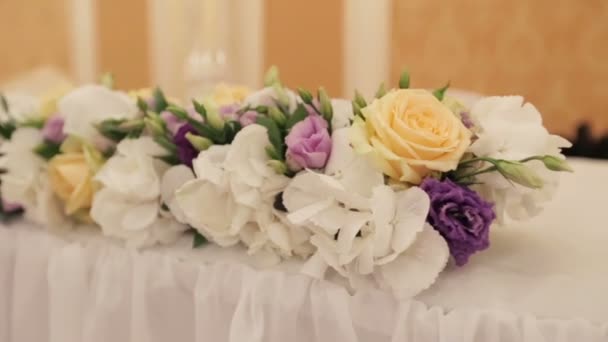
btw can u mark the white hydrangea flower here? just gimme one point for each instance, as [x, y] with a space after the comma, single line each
[26, 181]
[362, 227]
[268, 97]
[88, 105]
[21, 107]
[507, 128]
[129, 207]
[231, 199]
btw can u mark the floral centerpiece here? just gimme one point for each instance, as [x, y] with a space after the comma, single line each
[381, 191]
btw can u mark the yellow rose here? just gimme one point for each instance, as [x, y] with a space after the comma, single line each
[71, 179]
[408, 133]
[224, 94]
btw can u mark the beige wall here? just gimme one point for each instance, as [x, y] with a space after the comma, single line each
[555, 52]
[304, 39]
[33, 33]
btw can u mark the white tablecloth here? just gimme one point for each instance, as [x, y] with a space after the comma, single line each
[545, 280]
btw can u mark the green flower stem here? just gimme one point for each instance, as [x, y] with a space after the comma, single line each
[476, 173]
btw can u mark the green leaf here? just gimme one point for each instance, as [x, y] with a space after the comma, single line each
[199, 108]
[47, 150]
[404, 80]
[298, 115]
[274, 135]
[198, 240]
[231, 128]
[160, 102]
[440, 93]
[170, 159]
[4, 103]
[165, 143]
[7, 129]
[34, 123]
[142, 105]
[271, 152]
[381, 91]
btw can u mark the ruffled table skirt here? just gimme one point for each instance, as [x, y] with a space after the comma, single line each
[52, 290]
[545, 283]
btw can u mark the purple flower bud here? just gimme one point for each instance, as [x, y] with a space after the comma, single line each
[53, 130]
[248, 118]
[185, 151]
[173, 122]
[465, 117]
[308, 144]
[229, 112]
[9, 207]
[461, 216]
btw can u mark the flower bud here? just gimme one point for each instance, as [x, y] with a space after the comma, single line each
[282, 98]
[131, 125]
[180, 113]
[275, 114]
[404, 80]
[381, 91]
[200, 143]
[326, 108]
[305, 95]
[278, 166]
[272, 76]
[154, 127]
[214, 118]
[519, 173]
[556, 164]
[360, 100]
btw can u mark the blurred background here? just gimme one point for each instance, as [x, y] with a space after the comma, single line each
[554, 52]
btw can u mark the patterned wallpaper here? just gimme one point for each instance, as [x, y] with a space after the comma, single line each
[555, 52]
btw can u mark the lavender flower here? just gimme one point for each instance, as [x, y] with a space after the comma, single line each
[308, 144]
[248, 118]
[229, 112]
[53, 130]
[461, 216]
[185, 151]
[173, 122]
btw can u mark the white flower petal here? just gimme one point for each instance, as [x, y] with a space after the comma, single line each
[140, 216]
[85, 106]
[343, 113]
[315, 266]
[383, 210]
[411, 213]
[172, 180]
[418, 267]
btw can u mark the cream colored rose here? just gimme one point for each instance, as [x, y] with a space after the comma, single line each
[409, 133]
[72, 181]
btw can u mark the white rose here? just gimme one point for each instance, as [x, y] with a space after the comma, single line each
[362, 227]
[26, 181]
[129, 206]
[21, 107]
[269, 97]
[88, 105]
[509, 129]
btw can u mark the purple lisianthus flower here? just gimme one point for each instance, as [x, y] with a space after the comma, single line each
[460, 215]
[53, 130]
[185, 151]
[173, 122]
[10, 207]
[308, 144]
[248, 118]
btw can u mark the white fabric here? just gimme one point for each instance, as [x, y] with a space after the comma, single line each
[547, 283]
